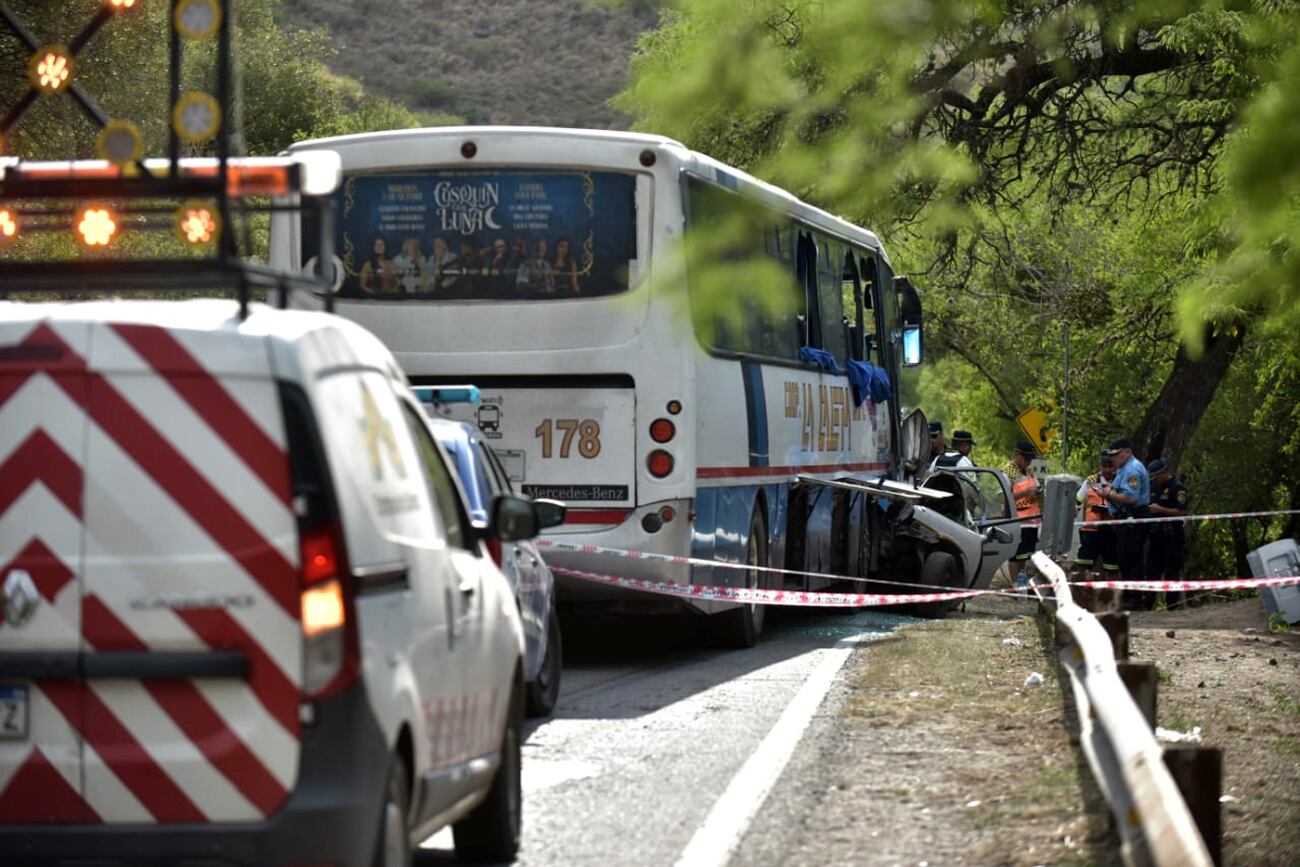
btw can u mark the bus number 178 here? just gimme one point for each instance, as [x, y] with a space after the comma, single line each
[587, 431]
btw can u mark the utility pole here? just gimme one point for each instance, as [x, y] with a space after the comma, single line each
[1065, 402]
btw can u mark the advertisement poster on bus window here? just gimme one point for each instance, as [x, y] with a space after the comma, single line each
[486, 234]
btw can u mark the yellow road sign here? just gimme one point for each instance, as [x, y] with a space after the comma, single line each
[1034, 423]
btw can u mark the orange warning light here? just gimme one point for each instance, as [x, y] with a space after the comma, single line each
[197, 224]
[51, 69]
[121, 5]
[8, 227]
[96, 226]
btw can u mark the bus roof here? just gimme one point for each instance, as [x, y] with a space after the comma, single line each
[696, 163]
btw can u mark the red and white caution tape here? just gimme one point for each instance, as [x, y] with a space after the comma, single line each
[708, 591]
[759, 596]
[1194, 584]
[650, 556]
[1223, 516]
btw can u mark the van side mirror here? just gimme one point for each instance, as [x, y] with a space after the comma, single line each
[550, 513]
[513, 519]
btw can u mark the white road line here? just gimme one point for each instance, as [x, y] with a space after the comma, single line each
[716, 839]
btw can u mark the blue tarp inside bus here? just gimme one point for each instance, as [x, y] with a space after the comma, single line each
[485, 234]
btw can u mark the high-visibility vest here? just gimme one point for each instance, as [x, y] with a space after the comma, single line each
[1094, 509]
[1025, 491]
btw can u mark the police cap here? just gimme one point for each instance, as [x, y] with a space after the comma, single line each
[1026, 448]
[1155, 466]
[962, 436]
[936, 427]
[1118, 444]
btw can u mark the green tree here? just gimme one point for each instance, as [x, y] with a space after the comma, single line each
[1124, 173]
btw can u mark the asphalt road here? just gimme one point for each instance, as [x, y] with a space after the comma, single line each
[661, 751]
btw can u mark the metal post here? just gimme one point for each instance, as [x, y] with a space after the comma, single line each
[1198, 773]
[1065, 405]
[1140, 678]
[173, 93]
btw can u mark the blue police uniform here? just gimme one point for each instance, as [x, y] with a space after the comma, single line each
[1132, 480]
[1167, 542]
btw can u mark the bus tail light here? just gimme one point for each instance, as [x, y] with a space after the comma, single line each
[662, 430]
[653, 522]
[328, 619]
[660, 463]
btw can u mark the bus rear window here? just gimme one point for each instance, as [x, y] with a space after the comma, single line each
[503, 234]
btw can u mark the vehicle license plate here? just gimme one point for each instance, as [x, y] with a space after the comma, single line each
[13, 711]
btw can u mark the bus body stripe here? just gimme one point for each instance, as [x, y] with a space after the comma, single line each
[755, 413]
[745, 472]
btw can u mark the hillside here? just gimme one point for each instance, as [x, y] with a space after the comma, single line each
[553, 62]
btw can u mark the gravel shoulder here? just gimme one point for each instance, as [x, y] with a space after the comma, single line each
[934, 751]
[1222, 670]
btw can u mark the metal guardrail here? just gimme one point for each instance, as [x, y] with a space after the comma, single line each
[1154, 822]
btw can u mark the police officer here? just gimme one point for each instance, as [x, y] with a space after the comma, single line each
[936, 442]
[1027, 493]
[1129, 496]
[1096, 540]
[957, 457]
[1167, 540]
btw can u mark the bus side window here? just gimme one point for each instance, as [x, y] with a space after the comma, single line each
[830, 299]
[810, 326]
[887, 316]
[851, 296]
[752, 319]
[779, 338]
[870, 303]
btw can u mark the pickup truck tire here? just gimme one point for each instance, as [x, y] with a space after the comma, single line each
[544, 690]
[940, 571]
[393, 848]
[491, 832]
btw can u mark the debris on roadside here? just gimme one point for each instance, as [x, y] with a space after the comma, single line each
[1012, 642]
[1173, 736]
[1034, 679]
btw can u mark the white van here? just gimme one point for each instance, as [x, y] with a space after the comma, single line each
[247, 619]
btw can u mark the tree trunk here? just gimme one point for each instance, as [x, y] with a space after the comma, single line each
[1171, 420]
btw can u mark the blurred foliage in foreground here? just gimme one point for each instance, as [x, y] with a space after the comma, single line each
[1120, 176]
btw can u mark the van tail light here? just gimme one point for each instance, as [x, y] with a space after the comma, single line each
[494, 548]
[329, 623]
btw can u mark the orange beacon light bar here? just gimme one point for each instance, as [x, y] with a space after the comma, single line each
[312, 174]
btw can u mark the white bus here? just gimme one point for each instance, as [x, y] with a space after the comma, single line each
[545, 266]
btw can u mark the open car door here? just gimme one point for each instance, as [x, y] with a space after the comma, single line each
[914, 445]
[989, 512]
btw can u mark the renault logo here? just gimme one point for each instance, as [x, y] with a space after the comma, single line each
[19, 597]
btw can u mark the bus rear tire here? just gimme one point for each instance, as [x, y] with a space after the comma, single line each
[742, 626]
